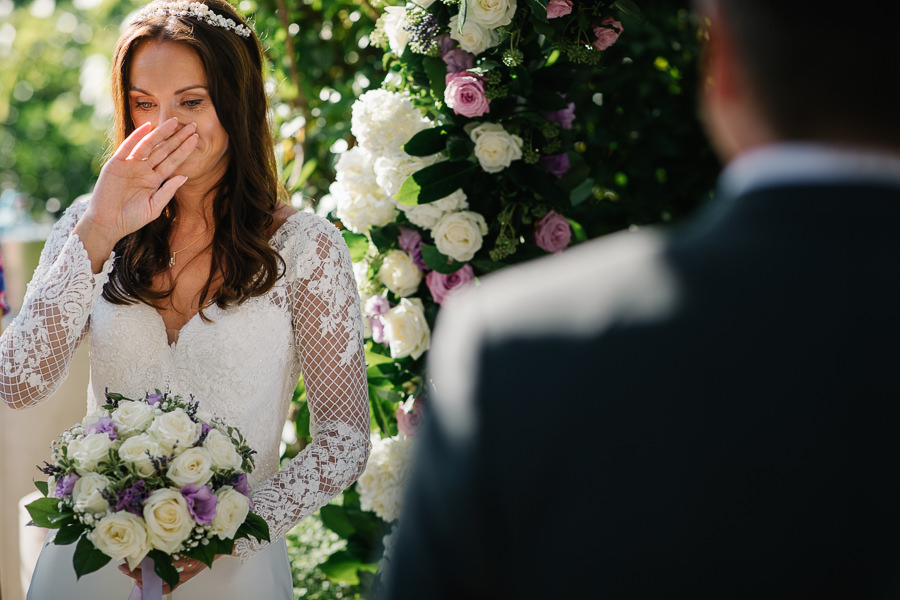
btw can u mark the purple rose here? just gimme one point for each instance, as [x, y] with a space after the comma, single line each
[556, 164]
[376, 324]
[440, 285]
[565, 117]
[104, 425]
[377, 305]
[153, 399]
[201, 502]
[607, 33]
[240, 483]
[558, 8]
[64, 486]
[465, 94]
[553, 232]
[132, 499]
[409, 418]
[446, 43]
[409, 239]
[458, 60]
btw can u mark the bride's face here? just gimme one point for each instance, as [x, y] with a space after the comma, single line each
[168, 80]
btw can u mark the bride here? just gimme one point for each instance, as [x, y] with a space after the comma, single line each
[191, 275]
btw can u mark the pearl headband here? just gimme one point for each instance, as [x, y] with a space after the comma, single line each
[196, 10]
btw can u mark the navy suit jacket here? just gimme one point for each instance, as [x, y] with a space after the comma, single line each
[710, 412]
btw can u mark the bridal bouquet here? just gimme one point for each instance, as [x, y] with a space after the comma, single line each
[148, 478]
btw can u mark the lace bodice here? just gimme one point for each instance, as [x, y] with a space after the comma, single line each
[242, 365]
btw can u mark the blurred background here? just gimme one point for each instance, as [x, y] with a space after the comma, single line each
[648, 159]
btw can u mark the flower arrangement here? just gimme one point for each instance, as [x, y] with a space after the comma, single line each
[148, 478]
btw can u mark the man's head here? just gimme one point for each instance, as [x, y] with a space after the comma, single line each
[800, 70]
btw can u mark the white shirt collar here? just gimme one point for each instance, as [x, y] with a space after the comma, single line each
[798, 163]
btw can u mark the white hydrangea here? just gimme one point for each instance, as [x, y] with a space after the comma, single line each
[382, 484]
[383, 121]
[392, 170]
[359, 202]
[427, 215]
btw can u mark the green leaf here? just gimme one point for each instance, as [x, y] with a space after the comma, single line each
[342, 567]
[426, 142]
[69, 533]
[162, 566]
[205, 553]
[358, 244]
[629, 8]
[255, 526]
[434, 182]
[439, 262]
[385, 237]
[334, 517]
[43, 487]
[577, 231]
[87, 558]
[45, 512]
[581, 192]
[301, 422]
[436, 70]
[538, 9]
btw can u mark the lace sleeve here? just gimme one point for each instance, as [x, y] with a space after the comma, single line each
[328, 332]
[37, 347]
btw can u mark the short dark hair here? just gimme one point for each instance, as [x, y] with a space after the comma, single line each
[820, 72]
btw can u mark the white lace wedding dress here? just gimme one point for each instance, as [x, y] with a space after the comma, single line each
[241, 365]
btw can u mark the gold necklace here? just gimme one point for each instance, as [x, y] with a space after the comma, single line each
[174, 252]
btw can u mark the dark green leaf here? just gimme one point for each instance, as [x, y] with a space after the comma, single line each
[87, 558]
[68, 533]
[334, 517]
[582, 192]
[434, 182]
[301, 422]
[385, 237]
[45, 512]
[162, 566]
[578, 231]
[629, 8]
[436, 70]
[205, 553]
[358, 244]
[342, 567]
[538, 9]
[439, 262]
[42, 487]
[255, 526]
[426, 142]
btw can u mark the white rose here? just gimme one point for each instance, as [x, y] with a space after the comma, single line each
[394, 22]
[88, 451]
[169, 523]
[194, 465]
[132, 416]
[399, 273]
[406, 330]
[175, 431]
[360, 206]
[135, 450]
[460, 235]
[427, 215]
[491, 13]
[222, 451]
[381, 486]
[495, 148]
[121, 535]
[231, 512]
[393, 169]
[87, 493]
[474, 37]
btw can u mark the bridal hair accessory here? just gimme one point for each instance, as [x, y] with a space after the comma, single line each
[195, 10]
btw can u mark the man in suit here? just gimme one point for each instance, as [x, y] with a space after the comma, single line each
[708, 412]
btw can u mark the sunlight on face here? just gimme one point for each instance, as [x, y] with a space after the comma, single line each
[168, 80]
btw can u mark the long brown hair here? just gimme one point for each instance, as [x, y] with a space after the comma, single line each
[248, 194]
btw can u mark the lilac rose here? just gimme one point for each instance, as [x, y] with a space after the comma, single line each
[441, 285]
[104, 425]
[64, 486]
[409, 416]
[553, 232]
[465, 94]
[410, 241]
[458, 60]
[556, 164]
[607, 32]
[565, 117]
[558, 8]
[201, 502]
[132, 499]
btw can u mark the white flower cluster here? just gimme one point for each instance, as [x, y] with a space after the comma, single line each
[382, 483]
[194, 10]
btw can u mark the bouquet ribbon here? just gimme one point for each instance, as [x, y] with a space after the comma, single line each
[151, 582]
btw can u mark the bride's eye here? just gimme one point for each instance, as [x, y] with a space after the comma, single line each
[143, 105]
[193, 103]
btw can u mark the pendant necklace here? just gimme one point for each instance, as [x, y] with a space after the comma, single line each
[174, 252]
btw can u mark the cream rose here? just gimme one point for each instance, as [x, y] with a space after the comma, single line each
[222, 451]
[194, 465]
[175, 431]
[88, 451]
[399, 273]
[394, 22]
[138, 449]
[121, 535]
[491, 13]
[459, 235]
[405, 329]
[231, 512]
[473, 37]
[169, 522]
[495, 148]
[87, 493]
[132, 417]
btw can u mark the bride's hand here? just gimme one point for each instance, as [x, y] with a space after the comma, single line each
[187, 569]
[135, 185]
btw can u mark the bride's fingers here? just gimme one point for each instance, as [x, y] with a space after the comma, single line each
[177, 156]
[170, 144]
[127, 147]
[149, 140]
[164, 194]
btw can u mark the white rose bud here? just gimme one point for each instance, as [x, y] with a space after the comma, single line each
[406, 329]
[460, 235]
[87, 493]
[222, 451]
[121, 535]
[491, 13]
[169, 523]
[474, 37]
[88, 451]
[131, 417]
[495, 148]
[175, 430]
[194, 465]
[231, 512]
[138, 449]
[399, 273]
